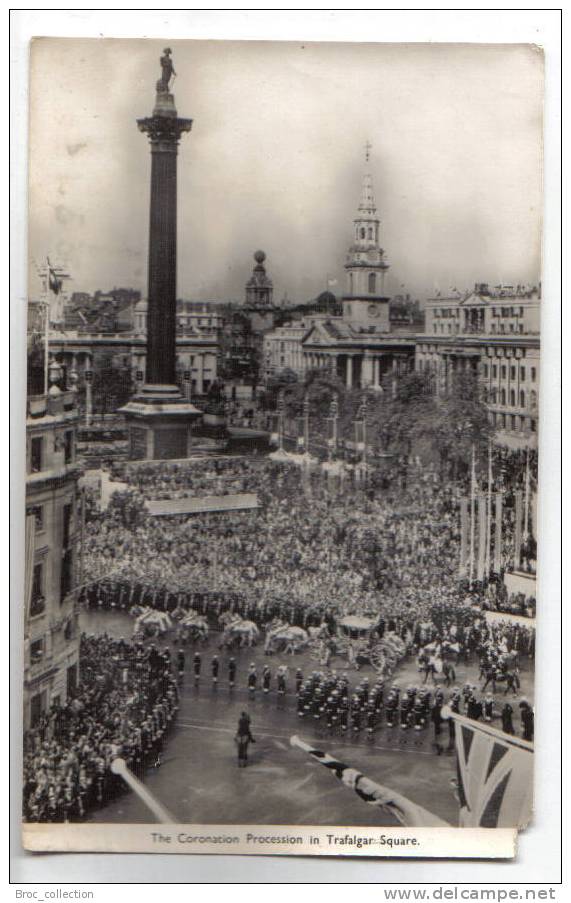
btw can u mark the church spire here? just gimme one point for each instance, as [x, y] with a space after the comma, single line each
[367, 203]
[365, 302]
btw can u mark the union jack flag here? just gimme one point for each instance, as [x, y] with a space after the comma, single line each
[495, 776]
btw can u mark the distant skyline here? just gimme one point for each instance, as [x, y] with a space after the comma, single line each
[275, 160]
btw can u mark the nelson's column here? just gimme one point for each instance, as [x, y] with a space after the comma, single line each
[159, 418]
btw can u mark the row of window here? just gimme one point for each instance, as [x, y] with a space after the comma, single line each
[366, 233]
[38, 594]
[503, 371]
[496, 311]
[371, 285]
[514, 422]
[500, 396]
[37, 451]
[501, 329]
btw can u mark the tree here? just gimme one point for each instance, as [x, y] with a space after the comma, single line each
[112, 386]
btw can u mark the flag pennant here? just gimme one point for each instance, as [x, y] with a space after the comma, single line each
[495, 776]
[404, 810]
[54, 283]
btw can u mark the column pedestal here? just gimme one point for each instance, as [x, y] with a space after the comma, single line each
[161, 424]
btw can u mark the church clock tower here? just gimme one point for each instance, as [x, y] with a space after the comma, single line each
[365, 304]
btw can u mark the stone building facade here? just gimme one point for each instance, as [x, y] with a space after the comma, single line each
[51, 634]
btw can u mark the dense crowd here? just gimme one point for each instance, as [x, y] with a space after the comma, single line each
[306, 554]
[396, 554]
[124, 707]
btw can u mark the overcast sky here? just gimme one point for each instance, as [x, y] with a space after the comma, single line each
[275, 160]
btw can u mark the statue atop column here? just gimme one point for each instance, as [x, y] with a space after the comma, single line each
[167, 70]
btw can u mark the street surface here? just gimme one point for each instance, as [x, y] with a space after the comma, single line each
[199, 781]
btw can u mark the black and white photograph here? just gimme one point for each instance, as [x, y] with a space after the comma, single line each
[283, 382]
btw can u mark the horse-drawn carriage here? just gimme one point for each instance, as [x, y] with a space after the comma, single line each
[357, 640]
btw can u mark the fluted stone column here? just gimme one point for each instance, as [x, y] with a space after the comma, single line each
[159, 417]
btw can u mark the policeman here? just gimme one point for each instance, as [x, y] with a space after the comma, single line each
[266, 679]
[507, 722]
[215, 668]
[527, 719]
[473, 708]
[231, 673]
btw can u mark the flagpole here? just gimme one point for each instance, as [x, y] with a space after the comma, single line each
[161, 813]
[489, 518]
[526, 500]
[472, 516]
[404, 810]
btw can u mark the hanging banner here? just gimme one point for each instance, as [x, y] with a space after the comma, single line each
[481, 573]
[463, 536]
[518, 526]
[498, 534]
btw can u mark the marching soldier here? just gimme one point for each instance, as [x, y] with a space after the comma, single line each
[197, 667]
[282, 673]
[180, 663]
[298, 680]
[370, 720]
[356, 714]
[215, 667]
[231, 673]
[392, 707]
[252, 678]
[266, 679]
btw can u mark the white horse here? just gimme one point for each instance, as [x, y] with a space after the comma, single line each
[291, 639]
[237, 629]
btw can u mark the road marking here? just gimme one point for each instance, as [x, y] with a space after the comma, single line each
[194, 725]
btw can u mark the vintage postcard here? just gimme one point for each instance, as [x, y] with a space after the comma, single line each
[282, 419]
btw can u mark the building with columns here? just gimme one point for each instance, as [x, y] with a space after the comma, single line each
[494, 334]
[490, 332]
[359, 346]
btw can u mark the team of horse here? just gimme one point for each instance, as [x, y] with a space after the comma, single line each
[435, 660]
